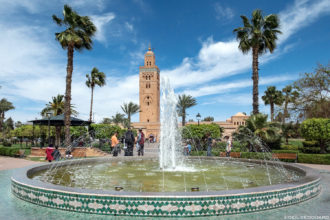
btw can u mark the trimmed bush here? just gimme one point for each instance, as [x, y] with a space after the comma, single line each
[285, 151]
[289, 147]
[6, 143]
[314, 158]
[256, 155]
[310, 144]
[310, 150]
[9, 151]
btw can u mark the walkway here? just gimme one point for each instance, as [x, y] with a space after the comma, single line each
[7, 163]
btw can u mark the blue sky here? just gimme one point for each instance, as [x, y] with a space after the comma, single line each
[193, 42]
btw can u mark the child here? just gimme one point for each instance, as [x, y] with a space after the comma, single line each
[49, 151]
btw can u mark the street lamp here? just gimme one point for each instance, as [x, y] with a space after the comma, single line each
[198, 117]
[48, 114]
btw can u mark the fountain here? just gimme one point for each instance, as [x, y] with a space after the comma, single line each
[171, 186]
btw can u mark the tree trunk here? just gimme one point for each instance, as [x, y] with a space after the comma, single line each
[183, 117]
[67, 104]
[255, 78]
[129, 119]
[271, 112]
[285, 115]
[91, 111]
[322, 147]
[57, 136]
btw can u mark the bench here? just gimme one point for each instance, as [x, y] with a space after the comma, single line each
[291, 156]
[20, 153]
[232, 154]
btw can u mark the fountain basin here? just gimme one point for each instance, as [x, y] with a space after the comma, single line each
[165, 204]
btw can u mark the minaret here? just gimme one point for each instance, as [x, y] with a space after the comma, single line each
[149, 89]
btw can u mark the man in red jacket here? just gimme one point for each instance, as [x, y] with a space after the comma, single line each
[140, 141]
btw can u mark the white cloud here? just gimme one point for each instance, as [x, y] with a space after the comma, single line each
[129, 26]
[223, 13]
[232, 86]
[101, 22]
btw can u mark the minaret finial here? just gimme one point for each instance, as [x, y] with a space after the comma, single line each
[149, 46]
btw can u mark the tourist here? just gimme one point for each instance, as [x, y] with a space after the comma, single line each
[56, 154]
[49, 151]
[209, 145]
[140, 142]
[228, 146]
[68, 154]
[129, 140]
[114, 144]
[189, 148]
[185, 149]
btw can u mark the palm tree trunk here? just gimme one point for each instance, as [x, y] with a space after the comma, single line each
[129, 119]
[271, 112]
[67, 104]
[183, 118]
[91, 111]
[285, 115]
[57, 135]
[255, 78]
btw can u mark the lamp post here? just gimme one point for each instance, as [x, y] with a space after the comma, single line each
[198, 117]
[48, 115]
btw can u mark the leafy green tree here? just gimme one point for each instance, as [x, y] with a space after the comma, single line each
[288, 130]
[272, 97]
[259, 36]
[130, 109]
[208, 118]
[289, 96]
[118, 118]
[18, 124]
[95, 78]
[106, 121]
[199, 133]
[77, 36]
[317, 129]
[314, 93]
[5, 106]
[106, 130]
[9, 124]
[185, 102]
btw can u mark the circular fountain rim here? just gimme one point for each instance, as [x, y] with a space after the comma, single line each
[21, 176]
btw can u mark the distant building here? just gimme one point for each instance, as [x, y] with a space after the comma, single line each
[149, 95]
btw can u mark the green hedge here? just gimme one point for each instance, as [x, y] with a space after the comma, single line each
[310, 144]
[290, 147]
[9, 151]
[310, 150]
[256, 155]
[285, 151]
[314, 158]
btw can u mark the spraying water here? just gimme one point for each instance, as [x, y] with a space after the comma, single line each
[170, 156]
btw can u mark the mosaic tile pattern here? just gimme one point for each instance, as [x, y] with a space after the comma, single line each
[164, 206]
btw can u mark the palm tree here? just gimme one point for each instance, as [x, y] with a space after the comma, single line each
[184, 102]
[5, 106]
[118, 118]
[289, 97]
[272, 97]
[259, 36]
[130, 109]
[96, 78]
[57, 107]
[77, 35]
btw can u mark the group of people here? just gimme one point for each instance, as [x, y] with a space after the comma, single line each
[55, 154]
[128, 140]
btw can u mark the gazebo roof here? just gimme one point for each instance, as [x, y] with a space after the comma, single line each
[58, 120]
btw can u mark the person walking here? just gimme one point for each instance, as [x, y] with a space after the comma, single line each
[140, 141]
[114, 144]
[49, 153]
[209, 145]
[129, 140]
[228, 147]
[56, 154]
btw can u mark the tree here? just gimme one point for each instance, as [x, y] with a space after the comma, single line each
[259, 36]
[272, 97]
[208, 118]
[106, 121]
[57, 107]
[118, 118]
[317, 129]
[18, 124]
[289, 96]
[96, 78]
[184, 102]
[314, 94]
[288, 130]
[76, 36]
[5, 106]
[130, 109]
[9, 124]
